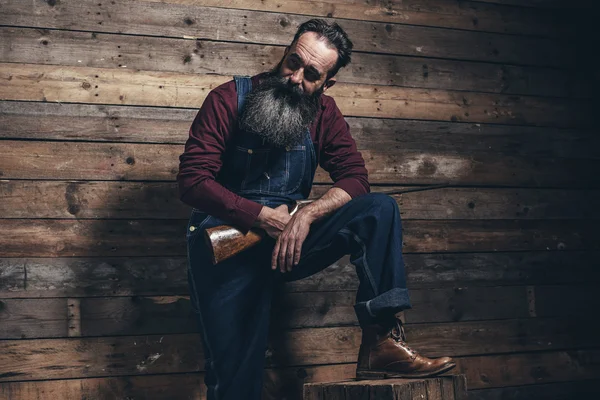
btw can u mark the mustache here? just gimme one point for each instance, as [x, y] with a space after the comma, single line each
[279, 112]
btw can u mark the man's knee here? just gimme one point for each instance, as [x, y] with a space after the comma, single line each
[383, 203]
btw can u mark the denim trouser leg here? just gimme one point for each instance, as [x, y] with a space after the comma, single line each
[369, 229]
[233, 301]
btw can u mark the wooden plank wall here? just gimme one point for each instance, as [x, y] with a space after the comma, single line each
[96, 101]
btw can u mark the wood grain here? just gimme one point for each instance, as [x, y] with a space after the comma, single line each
[90, 122]
[81, 49]
[68, 238]
[164, 276]
[434, 314]
[157, 387]
[140, 355]
[159, 200]
[190, 387]
[246, 26]
[32, 82]
[96, 99]
[159, 162]
[438, 13]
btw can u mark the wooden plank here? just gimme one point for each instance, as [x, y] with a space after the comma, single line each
[68, 48]
[78, 238]
[175, 20]
[481, 203]
[108, 316]
[548, 391]
[159, 162]
[94, 357]
[35, 120]
[139, 355]
[528, 141]
[159, 200]
[156, 387]
[530, 368]
[57, 199]
[87, 122]
[84, 277]
[23, 319]
[51, 160]
[314, 309]
[438, 13]
[33, 82]
[157, 276]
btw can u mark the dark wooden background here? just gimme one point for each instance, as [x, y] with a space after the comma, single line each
[495, 97]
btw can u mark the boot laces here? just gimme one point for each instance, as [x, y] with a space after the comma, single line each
[399, 336]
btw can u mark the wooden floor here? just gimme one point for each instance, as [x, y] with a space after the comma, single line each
[495, 97]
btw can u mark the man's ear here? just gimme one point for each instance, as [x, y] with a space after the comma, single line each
[329, 83]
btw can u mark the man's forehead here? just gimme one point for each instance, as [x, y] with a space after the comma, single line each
[315, 51]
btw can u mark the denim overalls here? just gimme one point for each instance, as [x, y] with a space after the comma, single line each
[233, 298]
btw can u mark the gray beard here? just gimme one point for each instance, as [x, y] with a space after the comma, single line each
[279, 112]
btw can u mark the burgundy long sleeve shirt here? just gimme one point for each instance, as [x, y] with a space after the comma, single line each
[214, 130]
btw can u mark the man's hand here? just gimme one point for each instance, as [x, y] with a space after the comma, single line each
[287, 250]
[288, 247]
[273, 220]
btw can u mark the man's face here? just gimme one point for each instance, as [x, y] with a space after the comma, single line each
[306, 63]
[281, 109]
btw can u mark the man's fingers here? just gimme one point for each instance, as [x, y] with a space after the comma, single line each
[282, 254]
[274, 255]
[289, 259]
[297, 251]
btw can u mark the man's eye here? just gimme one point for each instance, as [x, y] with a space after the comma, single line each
[311, 76]
[293, 63]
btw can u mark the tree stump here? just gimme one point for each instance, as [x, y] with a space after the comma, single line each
[451, 387]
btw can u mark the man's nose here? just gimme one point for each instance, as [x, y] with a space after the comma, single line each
[297, 76]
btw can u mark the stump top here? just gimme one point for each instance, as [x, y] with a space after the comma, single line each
[450, 387]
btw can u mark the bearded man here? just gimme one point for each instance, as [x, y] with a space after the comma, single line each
[252, 151]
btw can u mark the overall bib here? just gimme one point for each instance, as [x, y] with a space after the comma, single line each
[233, 298]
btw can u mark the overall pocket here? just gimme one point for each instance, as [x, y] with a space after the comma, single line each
[270, 171]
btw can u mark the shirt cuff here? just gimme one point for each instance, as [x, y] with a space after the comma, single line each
[247, 213]
[352, 186]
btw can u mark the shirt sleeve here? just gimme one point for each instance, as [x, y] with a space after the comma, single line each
[202, 160]
[340, 157]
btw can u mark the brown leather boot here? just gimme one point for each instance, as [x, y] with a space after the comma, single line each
[385, 354]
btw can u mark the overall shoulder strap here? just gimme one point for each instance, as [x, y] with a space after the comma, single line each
[243, 85]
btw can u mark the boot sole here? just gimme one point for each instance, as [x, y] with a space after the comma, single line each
[374, 374]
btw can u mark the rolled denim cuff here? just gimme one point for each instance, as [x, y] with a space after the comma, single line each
[382, 307]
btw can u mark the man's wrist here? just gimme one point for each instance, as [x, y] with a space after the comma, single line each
[262, 217]
[308, 213]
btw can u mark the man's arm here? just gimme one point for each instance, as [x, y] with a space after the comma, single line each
[202, 160]
[333, 199]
